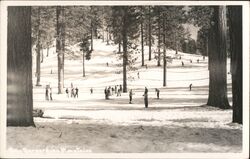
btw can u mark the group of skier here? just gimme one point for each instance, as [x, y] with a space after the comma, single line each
[109, 91]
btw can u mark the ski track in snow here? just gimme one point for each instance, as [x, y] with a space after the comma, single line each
[177, 122]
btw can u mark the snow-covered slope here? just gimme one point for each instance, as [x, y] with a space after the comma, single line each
[177, 122]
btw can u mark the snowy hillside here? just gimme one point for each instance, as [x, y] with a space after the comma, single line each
[177, 122]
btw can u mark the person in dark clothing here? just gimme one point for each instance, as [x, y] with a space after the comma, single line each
[67, 92]
[115, 89]
[72, 93]
[105, 92]
[182, 63]
[91, 90]
[190, 87]
[146, 97]
[157, 93]
[191, 61]
[50, 93]
[47, 93]
[119, 92]
[130, 96]
[76, 95]
[138, 75]
[120, 88]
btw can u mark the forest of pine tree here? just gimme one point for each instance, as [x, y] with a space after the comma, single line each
[131, 28]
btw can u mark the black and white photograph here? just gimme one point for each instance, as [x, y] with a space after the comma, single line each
[127, 79]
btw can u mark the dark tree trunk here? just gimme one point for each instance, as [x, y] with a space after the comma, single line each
[59, 48]
[207, 50]
[91, 34]
[47, 50]
[124, 43]
[164, 54]
[235, 26]
[19, 67]
[42, 53]
[63, 42]
[149, 34]
[38, 49]
[107, 36]
[159, 41]
[218, 60]
[83, 61]
[83, 64]
[142, 43]
[119, 46]
[176, 43]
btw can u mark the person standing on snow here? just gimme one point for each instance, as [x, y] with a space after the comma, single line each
[157, 93]
[146, 97]
[67, 92]
[106, 93]
[120, 88]
[50, 93]
[47, 93]
[130, 96]
[76, 95]
[190, 87]
[91, 90]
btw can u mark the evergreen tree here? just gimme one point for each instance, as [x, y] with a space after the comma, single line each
[19, 67]
[129, 18]
[59, 46]
[214, 20]
[217, 58]
[235, 26]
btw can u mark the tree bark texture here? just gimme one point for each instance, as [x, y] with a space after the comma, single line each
[142, 44]
[218, 60]
[19, 67]
[38, 49]
[125, 52]
[164, 54]
[91, 34]
[149, 34]
[63, 42]
[59, 48]
[235, 28]
[159, 41]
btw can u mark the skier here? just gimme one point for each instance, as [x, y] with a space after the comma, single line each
[146, 97]
[198, 60]
[157, 93]
[138, 75]
[76, 94]
[130, 96]
[119, 92]
[50, 93]
[182, 63]
[67, 92]
[91, 90]
[115, 89]
[106, 93]
[190, 87]
[120, 88]
[46, 93]
[72, 92]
